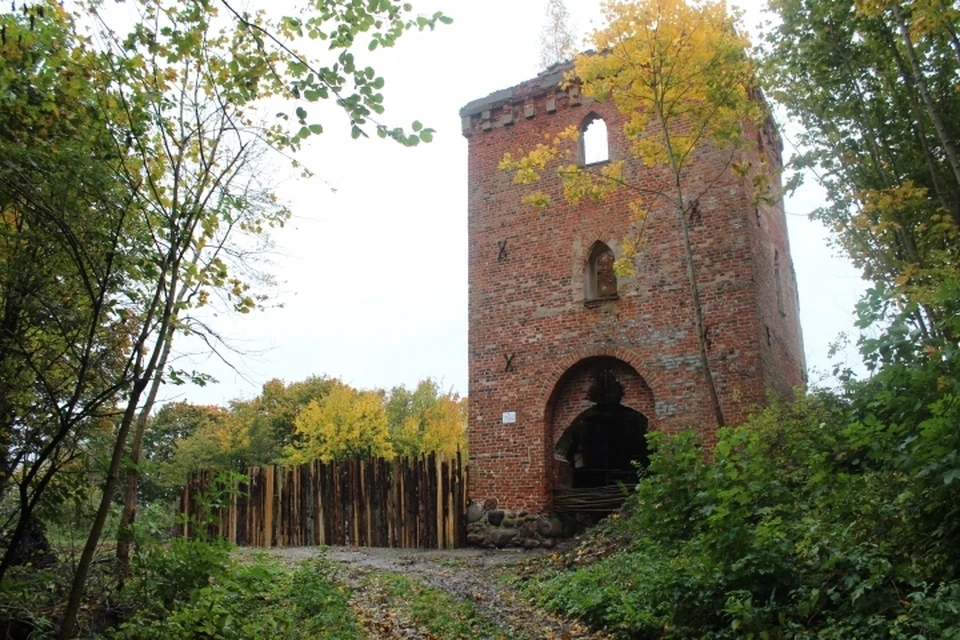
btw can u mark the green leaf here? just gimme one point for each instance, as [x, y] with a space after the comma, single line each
[316, 128]
[416, 126]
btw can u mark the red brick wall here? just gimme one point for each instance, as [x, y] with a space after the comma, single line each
[526, 300]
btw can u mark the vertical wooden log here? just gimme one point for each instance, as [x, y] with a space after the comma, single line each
[413, 534]
[268, 494]
[253, 488]
[397, 482]
[293, 526]
[416, 503]
[330, 509]
[383, 522]
[367, 485]
[322, 504]
[373, 484]
[306, 499]
[256, 512]
[438, 481]
[360, 506]
[349, 494]
[449, 504]
[185, 506]
[340, 537]
[402, 514]
[279, 495]
[425, 519]
[283, 498]
[354, 502]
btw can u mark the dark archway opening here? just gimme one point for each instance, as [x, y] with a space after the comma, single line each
[601, 452]
[605, 445]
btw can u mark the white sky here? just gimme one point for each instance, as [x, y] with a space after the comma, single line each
[374, 276]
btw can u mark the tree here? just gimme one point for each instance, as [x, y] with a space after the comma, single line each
[345, 423]
[184, 437]
[425, 420]
[679, 73]
[170, 146]
[873, 84]
[272, 415]
[64, 343]
[556, 36]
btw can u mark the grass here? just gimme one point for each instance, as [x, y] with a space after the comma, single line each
[437, 611]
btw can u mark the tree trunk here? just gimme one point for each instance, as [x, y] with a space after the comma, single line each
[948, 144]
[129, 514]
[93, 540]
[698, 320]
[698, 325]
[166, 302]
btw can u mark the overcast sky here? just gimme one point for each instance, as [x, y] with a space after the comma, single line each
[372, 269]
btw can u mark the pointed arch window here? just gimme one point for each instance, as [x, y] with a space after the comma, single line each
[601, 281]
[594, 141]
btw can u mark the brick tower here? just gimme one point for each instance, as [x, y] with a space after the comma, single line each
[571, 365]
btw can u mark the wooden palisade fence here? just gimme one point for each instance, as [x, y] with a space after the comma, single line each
[368, 502]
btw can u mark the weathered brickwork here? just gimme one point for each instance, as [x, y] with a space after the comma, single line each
[535, 338]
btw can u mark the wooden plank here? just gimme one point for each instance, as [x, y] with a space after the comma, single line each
[367, 486]
[268, 493]
[319, 537]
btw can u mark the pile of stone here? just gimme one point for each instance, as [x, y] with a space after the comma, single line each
[488, 526]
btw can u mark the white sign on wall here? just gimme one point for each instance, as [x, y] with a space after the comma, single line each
[509, 417]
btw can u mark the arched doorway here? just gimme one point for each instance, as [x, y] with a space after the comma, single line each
[599, 420]
[605, 445]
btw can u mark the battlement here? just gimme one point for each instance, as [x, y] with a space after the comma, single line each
[526, 100]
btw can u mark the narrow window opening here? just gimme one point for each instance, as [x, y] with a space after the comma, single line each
[601, 278]
[594, 143]
[779, 282]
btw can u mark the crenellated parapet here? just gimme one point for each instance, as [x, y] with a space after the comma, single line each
[543, 95]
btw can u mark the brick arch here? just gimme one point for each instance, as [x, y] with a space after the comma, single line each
[568, 399]
[552, 381]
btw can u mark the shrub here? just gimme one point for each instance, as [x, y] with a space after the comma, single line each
[832, 517]
[260, 599]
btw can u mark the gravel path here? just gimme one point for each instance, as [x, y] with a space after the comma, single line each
[471, 575]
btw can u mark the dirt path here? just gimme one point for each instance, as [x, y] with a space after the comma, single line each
[468, 575]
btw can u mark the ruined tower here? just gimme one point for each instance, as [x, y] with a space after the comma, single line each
[570, 365]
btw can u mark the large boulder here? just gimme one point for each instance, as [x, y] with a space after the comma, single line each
[474, 512]
[501, 537]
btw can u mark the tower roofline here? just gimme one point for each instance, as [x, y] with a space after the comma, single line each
[546, 80]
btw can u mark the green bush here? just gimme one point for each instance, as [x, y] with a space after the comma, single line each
[238, 601]
[165, 575]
